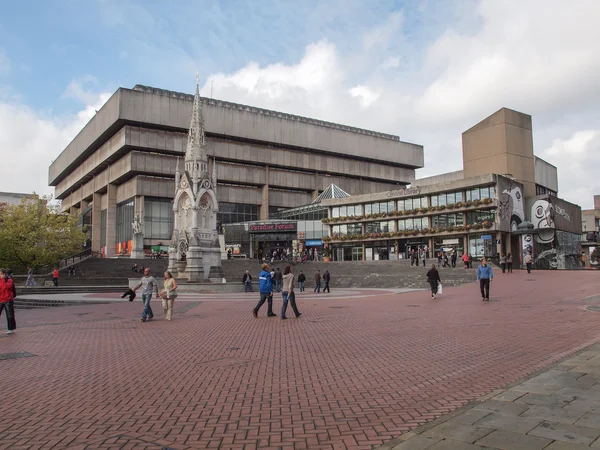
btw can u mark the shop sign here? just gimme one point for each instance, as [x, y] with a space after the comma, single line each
[486, 237]
[404, 192]
[273, 228]
[450, 242]
[314, 243]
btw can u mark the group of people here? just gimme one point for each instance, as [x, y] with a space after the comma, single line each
[277, 279]
[506, 263]
[417, 255]
[484, 276]
[168, 294]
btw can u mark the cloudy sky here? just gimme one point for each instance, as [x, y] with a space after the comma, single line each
[424, 70]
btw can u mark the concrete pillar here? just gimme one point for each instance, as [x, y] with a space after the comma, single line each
[73, 211]
[139, 208]
[96, 221]
[111, 221]
[315, 192]
[499, 246]
[83, 204]
[466, 244]
[264, 207]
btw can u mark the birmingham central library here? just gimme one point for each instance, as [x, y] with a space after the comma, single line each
[286, 182]
[123, 162]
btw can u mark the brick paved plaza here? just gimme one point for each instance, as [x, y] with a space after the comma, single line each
[357, 370]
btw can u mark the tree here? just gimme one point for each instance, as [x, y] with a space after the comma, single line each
[34, 234]
[595, 256]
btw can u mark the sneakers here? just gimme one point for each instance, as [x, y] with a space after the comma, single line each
[142, 319]
[283, 318]
[10, 331]
[255, 313]
[299, 314]
[271, 315]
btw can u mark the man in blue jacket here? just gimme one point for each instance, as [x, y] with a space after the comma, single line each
[485, 276]
[266, 291]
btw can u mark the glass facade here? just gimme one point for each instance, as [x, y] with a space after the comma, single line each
[417, 223]
[237, 213]
[448, 220]
[103, 228]
[380, 227]
[412, 203]
[480, 193]
[345, 211]
[479, 216]
[353, 228]
[446, 198]
[379, 207]
[125, 215]
[158, 218]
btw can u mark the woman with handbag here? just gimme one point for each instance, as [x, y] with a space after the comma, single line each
[168, 295]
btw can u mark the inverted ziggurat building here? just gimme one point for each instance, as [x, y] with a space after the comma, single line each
[123, 163]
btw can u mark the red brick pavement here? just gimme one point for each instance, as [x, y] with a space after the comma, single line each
[351, 377]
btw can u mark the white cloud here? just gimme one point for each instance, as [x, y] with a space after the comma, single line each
[30, 140]
[365, 94]
[77, 89]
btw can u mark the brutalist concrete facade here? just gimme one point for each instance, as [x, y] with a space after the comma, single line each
[266, 160]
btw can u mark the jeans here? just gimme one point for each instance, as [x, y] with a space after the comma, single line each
[326, 288]
[317, 286]
[265, 297]
[510, 267]
[528, 267]
[147, 312]
[301, 285]
[292, 298]
[503, 265]
[248, 286]
[10, 314]
[55, 281]
[484, 285]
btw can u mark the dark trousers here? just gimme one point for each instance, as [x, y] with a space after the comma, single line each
[292, 299]
[528, 267]
[484, 285]
[265, 297]
[326, 288]
[510, 267]
[10, 314]
[434, 286]
[55, 281]
[454, 264]
[317, 286]
[503, 265]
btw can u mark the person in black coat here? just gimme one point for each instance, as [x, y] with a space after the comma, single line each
[433, 278]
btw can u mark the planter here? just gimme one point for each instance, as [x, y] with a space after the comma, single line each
[326, 259]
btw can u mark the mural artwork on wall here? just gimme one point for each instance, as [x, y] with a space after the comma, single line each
[511, 206]
[542, 216]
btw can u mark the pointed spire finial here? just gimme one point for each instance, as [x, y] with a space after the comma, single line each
[197, 78]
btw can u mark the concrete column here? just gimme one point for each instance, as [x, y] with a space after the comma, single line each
[111, 221]
[499, 246]
[138, 208]
[73, 211]
[264, 207]
[96, 221]
[466, 244]
[315, 193]
[84, 204]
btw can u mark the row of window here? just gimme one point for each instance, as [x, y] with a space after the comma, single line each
[446, 198]
[418, 223]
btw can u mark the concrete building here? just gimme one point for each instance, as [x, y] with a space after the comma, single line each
[123, 162]
[12, 198]
[503, 201]
[590, 230]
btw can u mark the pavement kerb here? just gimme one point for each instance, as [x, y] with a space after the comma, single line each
[457, 412]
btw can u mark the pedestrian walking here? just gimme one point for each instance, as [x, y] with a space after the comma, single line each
[278, 280]
[485, 276]
[265, 282]
[148, 284]
[30, 282]
[470, 261]
[317, 281]
[423, 256]
[503, 262]
[433, 278]
[465, 259]
[168, 295]
[71, 271]
[301, 281]
[528, 261]
[55, 277]
[247, 280]
[439, 259]
[326, 279]
[446, 260]
[7, 300]
[453, 259]
[288, 293]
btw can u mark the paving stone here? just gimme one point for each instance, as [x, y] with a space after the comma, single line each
[502, 407]
[586, 368]
[459, 432]
[590, 420]
[508, 396]
[418, 442]
[509, 422]
[584, 406]
[560, 445]
[470, 416]
[555, 414]
[449, 444]
[580, 394]
[551, 400]
[507, 440]
[538, 388]
[565, 432]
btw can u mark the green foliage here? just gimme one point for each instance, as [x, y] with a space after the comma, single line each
[36, 234]
[595, 256]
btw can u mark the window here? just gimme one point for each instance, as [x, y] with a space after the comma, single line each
[479, 216]
[401, 205]
[434, 200]
[125, 216]
[480, 193]
[355, 228]
[451, 198]
[236, 213]
[408, 204]
[385, 226]
[448, 220]
[158, 218]
[335, 212]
